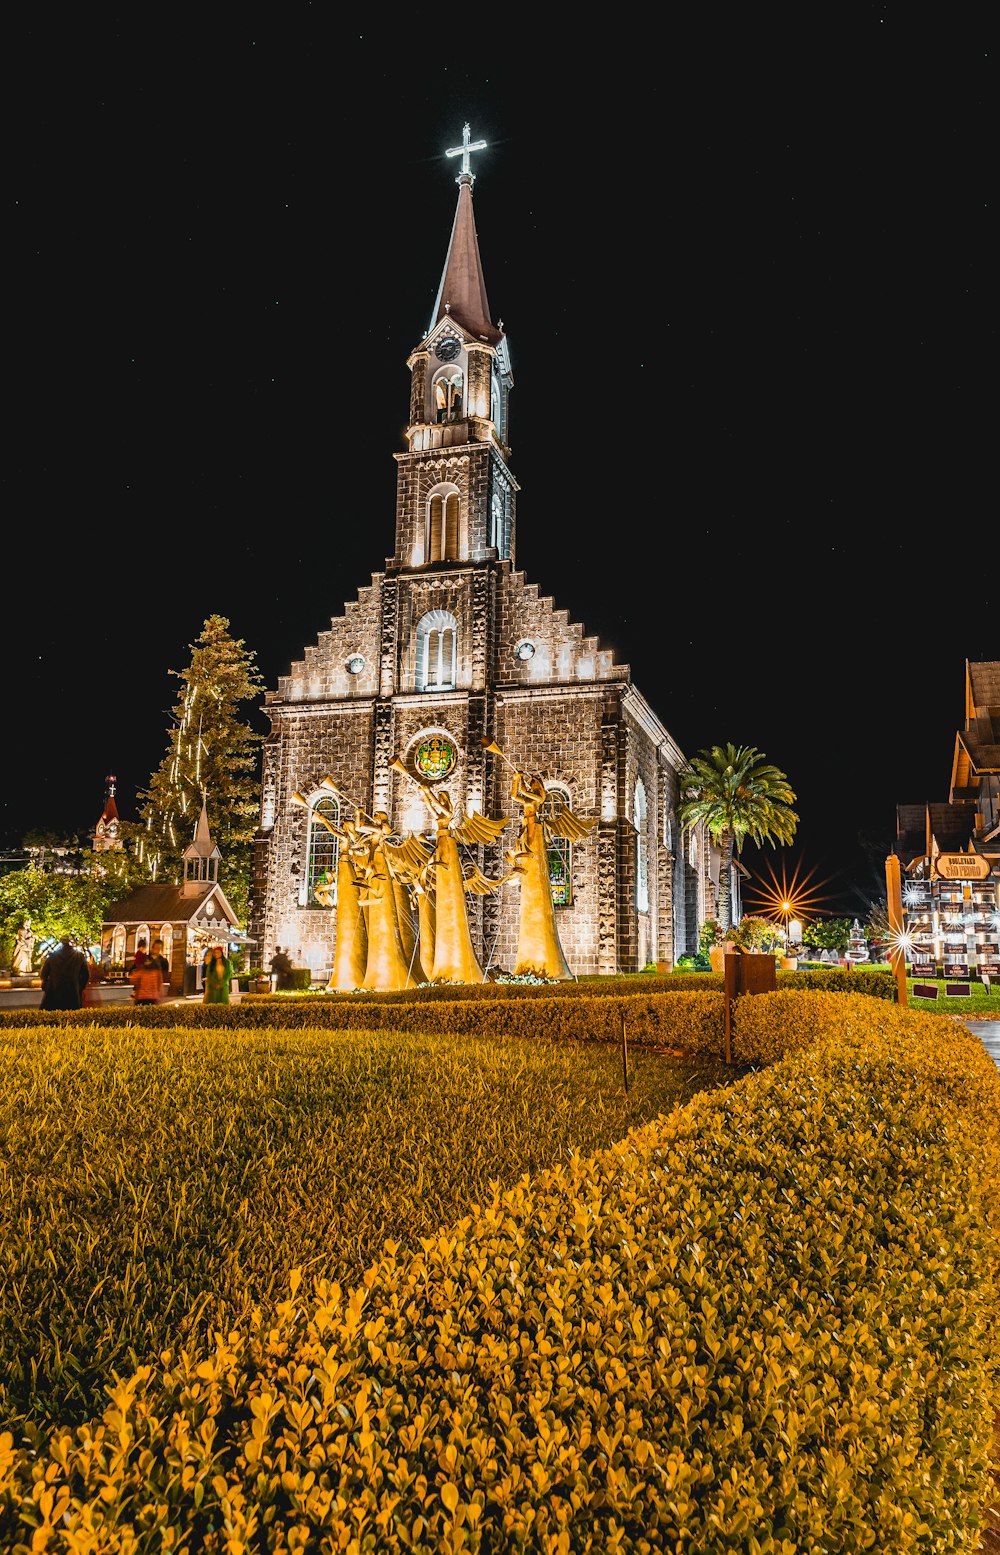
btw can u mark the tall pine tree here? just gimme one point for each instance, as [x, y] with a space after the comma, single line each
[210, 752]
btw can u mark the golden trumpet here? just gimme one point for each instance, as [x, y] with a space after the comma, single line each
[494, 749]
[400, 765]
[328, 783]
[298, 799]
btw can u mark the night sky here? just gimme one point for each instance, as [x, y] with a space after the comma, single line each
[744, 279]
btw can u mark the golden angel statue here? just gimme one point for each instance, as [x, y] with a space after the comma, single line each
[454, 957]
[388, 866]
[350, 955]
[539, 951]
[455, 960]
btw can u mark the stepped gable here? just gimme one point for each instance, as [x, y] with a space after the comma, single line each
[323, 671]
[562, 650]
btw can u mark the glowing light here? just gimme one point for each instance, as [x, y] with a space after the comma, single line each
[787, 901]
[902, 943]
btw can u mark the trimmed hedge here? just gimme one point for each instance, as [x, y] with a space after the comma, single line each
[766, 1323]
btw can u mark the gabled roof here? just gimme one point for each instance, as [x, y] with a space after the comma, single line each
[952, 826]
[153, 903]
[977, 746]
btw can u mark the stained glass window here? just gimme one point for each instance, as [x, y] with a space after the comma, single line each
[435, 757]
[560, 850]
[321, 876]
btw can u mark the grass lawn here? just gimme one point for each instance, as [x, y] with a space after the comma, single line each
[156, 1181]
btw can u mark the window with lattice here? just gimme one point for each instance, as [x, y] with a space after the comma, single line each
[324, 851]
[560, 849]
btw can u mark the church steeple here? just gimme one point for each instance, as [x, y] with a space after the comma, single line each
[456, 491]
[106, 831]
[462, 292]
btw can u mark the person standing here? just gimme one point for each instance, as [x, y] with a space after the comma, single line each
[156, 954]
[92, 987]
[218, 977]
[64, 976]
[281, 969]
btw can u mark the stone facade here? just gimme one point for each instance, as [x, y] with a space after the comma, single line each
[451, 640]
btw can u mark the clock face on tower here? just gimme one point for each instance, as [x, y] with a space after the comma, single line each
[447, 349]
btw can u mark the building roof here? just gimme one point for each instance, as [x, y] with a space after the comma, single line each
[153, 903]
[977, 746]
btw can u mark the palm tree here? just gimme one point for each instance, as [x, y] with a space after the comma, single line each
[734, 793]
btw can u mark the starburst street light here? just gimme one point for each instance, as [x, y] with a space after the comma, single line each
[787, 901]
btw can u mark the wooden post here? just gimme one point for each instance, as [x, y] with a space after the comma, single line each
[897, 954]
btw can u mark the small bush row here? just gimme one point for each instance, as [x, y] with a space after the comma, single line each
[766, 1323]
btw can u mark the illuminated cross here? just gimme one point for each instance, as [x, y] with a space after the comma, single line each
[463, 152]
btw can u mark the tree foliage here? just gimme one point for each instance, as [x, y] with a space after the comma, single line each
[735, 793]
[212, 753]
[61, 902]
[828, 934]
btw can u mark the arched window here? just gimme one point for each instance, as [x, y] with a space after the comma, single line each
[641, 848]
[448, 386]
[324, 850]
[437, 651]
[118, 945]
[443, 510]
[496, 523]
[143, 938]
[560, 849]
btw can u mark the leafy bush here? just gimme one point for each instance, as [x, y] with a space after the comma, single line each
[767, 1321]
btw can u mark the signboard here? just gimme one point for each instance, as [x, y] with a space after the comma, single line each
[961, 866]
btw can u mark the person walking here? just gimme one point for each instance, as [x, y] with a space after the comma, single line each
[64, 976]
[146, 978]
[156, 954]
[218, 977]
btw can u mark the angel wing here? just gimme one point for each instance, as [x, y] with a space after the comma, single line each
[473, 828]
[408, 858]
[477, 884]
[565, 824]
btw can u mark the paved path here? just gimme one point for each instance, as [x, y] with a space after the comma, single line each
[989, 1032]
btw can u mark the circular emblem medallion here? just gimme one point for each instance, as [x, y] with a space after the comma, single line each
[525, 649]
[435, 757]
[355, 664]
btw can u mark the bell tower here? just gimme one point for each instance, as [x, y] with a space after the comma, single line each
[455, 492]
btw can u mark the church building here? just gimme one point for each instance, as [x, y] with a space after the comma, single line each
[450, 669]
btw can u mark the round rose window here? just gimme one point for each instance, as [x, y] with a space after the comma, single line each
[435, 757]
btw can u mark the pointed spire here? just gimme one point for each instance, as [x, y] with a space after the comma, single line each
[202, 846]
[462, 292]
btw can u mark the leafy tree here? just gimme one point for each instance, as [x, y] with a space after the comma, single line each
[758, 936]
[58, 902]
[211, 753]
[735, 794]
[828, 934]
